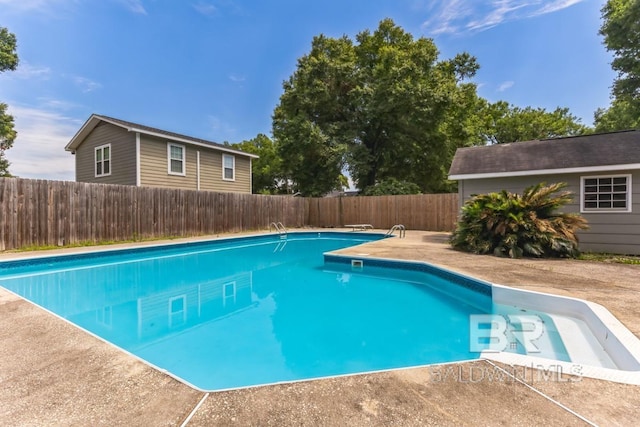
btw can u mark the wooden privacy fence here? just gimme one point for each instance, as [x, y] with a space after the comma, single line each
[54, 213]
[432, 212]
[38, 212]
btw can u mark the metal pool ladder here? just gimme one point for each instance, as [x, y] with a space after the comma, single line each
[398, 227]
[280, 228]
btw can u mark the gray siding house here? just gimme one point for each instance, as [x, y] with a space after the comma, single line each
[114, 151]
[602, 170]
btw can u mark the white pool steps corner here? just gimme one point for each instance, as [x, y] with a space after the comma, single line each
[594, 339]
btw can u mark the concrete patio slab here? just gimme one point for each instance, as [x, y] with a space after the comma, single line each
[53, 374]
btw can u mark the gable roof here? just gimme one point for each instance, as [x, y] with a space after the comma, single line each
[96, 119]
[575, 154]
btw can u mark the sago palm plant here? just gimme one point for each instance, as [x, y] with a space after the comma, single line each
[508, 224]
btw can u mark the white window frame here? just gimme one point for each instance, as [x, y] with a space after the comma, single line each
[184, 159]
[177, 317]
[95, 160]
[583, 209]
[104, 316]
[233, 167]
[229, 292]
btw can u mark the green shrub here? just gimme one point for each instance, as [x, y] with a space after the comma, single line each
[507, 224]
[391, 186]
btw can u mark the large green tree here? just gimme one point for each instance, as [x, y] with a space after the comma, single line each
[380, 106]
[267, 169]
[508, 123]
[621, 31]
[621, 115]
[8, 61]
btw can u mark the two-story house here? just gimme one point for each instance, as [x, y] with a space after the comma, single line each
[114, 151]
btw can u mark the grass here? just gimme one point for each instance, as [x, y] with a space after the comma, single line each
[89, 243]
[611, 258]
[107, 242]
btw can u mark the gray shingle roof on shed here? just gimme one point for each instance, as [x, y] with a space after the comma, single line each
[605, 149]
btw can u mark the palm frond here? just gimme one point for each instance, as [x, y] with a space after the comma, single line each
[508, 224]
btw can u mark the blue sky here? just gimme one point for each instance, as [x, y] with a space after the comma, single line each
[214, 68]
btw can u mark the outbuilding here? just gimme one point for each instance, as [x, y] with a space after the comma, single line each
[602, 170]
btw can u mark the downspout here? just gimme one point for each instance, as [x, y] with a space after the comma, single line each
[250, 175]
[198, 169]
[138, 179]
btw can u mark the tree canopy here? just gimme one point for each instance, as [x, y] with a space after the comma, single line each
[267, 169]
[386, 109]
[8, 55]
[621, 31]
[508, 123]
[8, 61]
[391, 186]
[377, 107]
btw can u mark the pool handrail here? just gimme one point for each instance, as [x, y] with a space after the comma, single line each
[279, 227]
[401, 229]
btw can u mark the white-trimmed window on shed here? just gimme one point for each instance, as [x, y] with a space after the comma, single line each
[103, 160]
[228, 167]
[610, 193]
[176, 159]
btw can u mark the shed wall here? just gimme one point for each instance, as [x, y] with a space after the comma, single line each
[614, 232]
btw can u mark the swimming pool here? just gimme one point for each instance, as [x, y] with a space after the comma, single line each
[247, 311]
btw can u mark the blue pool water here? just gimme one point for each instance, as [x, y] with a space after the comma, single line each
[241, 312]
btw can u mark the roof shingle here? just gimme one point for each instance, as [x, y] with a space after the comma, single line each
[131, 126]
[605, 149]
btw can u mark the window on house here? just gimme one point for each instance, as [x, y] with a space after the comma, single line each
[606, 193]
[103, 160]
[228, 167]
[176, 156]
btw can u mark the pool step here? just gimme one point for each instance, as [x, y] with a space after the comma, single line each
[580, 343]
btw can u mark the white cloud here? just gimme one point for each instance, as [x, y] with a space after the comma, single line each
[222, 130]
[57, 104]
[29, 5]
[505, 85]
[38, 151]
[217, 7]
[134, 6]
[205, 8]
[555, 6]
[85, 84]
[503, 11]
[460, 16]
[28, 71]
[236, 78]
[447, 19]
[52, 9]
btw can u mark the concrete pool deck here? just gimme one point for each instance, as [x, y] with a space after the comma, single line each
[52, 373]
